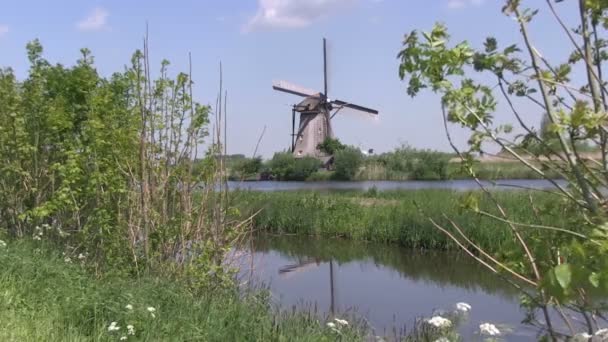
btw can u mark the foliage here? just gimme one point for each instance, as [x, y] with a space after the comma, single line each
[331, 146]
[105, 166]
[45, 298]
[284, 166]
[406, 162]
[247, 167]
[347, 163]
[565, 269]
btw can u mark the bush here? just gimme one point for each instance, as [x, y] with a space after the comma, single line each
[248, 167]
[304, 167]
[347, 163]
[284, 166]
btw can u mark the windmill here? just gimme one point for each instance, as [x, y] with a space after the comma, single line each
[316, 112]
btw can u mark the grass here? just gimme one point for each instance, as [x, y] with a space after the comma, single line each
[43, 298]
[394, 216]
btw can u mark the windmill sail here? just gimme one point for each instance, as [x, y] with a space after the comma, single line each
[290, 88]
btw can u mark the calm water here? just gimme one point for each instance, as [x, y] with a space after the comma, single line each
[387, 285]
[462, 185]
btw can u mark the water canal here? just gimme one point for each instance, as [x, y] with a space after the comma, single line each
[459, 185]
[388, 286]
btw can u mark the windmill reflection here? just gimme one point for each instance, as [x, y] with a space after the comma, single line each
[305, 264]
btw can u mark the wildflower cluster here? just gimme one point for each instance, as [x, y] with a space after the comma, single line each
[2, 244]
[600, 335]
[463, 307]
[337, 324]
[488, 329]
[113, 327]
[439, 322]
[38, 232]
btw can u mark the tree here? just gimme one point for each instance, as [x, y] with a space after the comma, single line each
[347, 163]
[562, 265]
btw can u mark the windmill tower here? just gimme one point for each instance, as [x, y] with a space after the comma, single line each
[316, 112]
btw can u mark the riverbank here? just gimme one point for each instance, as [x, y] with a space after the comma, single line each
[47, 297]
[400, 217]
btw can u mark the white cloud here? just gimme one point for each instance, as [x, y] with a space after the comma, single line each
[289, 14]
[455, 4]
[3, 30]
[95, 21]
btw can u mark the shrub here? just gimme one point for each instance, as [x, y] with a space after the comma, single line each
[347, 163]
[304, 167]
[248, 167]
[284, 166]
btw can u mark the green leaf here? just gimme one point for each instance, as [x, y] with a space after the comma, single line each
[563, 274]
[594, 279]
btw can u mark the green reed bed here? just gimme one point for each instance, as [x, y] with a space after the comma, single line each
[397, 216]
[46, 297]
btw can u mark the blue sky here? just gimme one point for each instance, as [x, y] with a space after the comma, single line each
[259, 41]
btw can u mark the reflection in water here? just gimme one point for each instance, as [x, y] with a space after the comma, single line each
[389, 286]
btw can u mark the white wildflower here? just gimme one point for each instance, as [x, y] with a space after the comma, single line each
[129, 307]
[130, 329]
[152, 311]
[489, 329]
[2, 244]
[439, 322]
[463, 307]
[582, 337]
[123, 338]
[442, 339]
[113, 327]
[603, 333]
[331, 325]
[67, 260]
[81, 256]
[37, 237]
[341, 321]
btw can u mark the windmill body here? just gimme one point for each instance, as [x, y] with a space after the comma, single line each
[314, 128]
[316, 112]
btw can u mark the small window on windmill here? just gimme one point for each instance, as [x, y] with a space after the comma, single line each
[299, 152]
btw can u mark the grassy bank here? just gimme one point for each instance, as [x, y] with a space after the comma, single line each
[45, 298]
[485, 171]
[394, 217]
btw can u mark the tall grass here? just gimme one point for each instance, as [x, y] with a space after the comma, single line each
[394, 216]
[45, 298]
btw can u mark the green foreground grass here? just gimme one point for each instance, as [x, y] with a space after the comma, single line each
[45, 298]
[400, 217]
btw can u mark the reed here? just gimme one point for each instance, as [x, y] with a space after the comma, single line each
[400, 217]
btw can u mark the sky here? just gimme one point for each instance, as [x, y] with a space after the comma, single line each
[259, 41]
